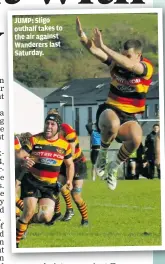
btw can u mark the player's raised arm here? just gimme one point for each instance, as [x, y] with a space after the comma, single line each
[89, 44]
[21, 154]
[124, 60]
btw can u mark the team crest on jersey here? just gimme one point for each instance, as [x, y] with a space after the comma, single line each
[60, 151]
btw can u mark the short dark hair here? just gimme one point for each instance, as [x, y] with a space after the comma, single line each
[133, 43]
[155, 125]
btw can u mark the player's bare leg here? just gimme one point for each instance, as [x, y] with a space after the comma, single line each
[28, 212]
[69, 213]
[45, 210]
[130, 133]
[77, 197]
[93, 173]
[109, 124]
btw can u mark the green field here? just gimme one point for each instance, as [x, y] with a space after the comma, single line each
[128, 216]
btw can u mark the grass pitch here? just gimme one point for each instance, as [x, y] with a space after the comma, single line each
[128, 216]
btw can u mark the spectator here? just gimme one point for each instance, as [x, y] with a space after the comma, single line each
[95, 141]
[157, 153]
[150, 149]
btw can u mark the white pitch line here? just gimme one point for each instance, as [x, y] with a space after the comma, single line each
[125, 206]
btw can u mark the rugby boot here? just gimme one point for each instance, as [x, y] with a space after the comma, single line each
[101, 162]
[84, 222]
[68, 215]
[104, 178]
[112, 175]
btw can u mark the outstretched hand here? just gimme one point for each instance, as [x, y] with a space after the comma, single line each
[78, 27]
[80, 32]
[98, 38]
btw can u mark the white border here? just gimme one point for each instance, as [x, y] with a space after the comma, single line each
[11, 127]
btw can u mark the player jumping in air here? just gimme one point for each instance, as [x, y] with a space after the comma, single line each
[130, 80]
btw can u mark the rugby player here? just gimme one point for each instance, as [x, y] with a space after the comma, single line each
[80, 173]
[19, 202]
[44, 157]
[23, 139]
[150, 149]
[130, 80]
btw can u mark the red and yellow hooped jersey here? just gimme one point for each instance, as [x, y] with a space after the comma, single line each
[17, 144]
[71, 136]
[48, 156]
[128, 90]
